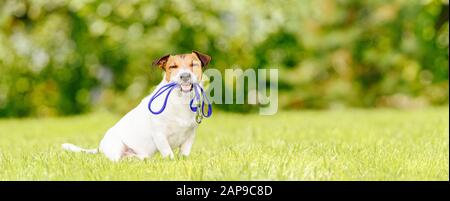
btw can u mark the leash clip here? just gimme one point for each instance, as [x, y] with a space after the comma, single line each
[198, 117]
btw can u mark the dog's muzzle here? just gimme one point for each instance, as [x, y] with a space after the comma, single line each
[185, 82]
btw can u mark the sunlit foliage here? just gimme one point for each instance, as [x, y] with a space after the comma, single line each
[67, 57]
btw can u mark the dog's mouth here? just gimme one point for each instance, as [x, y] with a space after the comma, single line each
[186, 87]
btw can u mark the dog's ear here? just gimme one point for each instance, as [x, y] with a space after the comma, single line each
[161, 62]
[205, 59]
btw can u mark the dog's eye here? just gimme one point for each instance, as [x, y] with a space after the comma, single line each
[173, 66]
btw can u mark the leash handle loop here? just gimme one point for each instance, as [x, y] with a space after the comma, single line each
[160, 91]
[196, 97]
[203, 104]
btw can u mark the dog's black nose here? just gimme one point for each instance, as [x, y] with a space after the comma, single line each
[185, 77]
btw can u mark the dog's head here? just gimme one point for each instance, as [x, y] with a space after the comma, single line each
[184, 69]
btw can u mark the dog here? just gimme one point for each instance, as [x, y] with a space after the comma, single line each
[140, 133]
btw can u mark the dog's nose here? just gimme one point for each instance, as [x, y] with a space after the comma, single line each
[185, 77]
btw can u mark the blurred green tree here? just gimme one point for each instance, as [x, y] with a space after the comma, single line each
[67, 57]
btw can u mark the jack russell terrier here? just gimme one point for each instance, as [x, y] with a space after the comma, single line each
[140, 133]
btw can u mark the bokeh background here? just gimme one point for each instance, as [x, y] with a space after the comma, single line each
[64, 57]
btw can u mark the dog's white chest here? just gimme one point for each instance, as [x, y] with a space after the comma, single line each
[179, 129]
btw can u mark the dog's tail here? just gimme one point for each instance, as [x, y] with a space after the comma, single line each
[74, 148]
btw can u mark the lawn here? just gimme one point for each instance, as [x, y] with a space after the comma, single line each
[378, 144]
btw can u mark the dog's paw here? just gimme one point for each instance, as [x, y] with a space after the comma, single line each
[171, 156]
[183, 155]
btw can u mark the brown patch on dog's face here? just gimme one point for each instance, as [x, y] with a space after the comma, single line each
[174, 64]
[181, 62]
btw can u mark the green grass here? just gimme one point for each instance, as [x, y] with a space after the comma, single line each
[303, 145]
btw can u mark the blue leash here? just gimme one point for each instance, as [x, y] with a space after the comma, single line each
[200, 96]
[197, 97]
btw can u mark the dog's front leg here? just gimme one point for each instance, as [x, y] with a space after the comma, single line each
[185, 148]
[162, 145]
